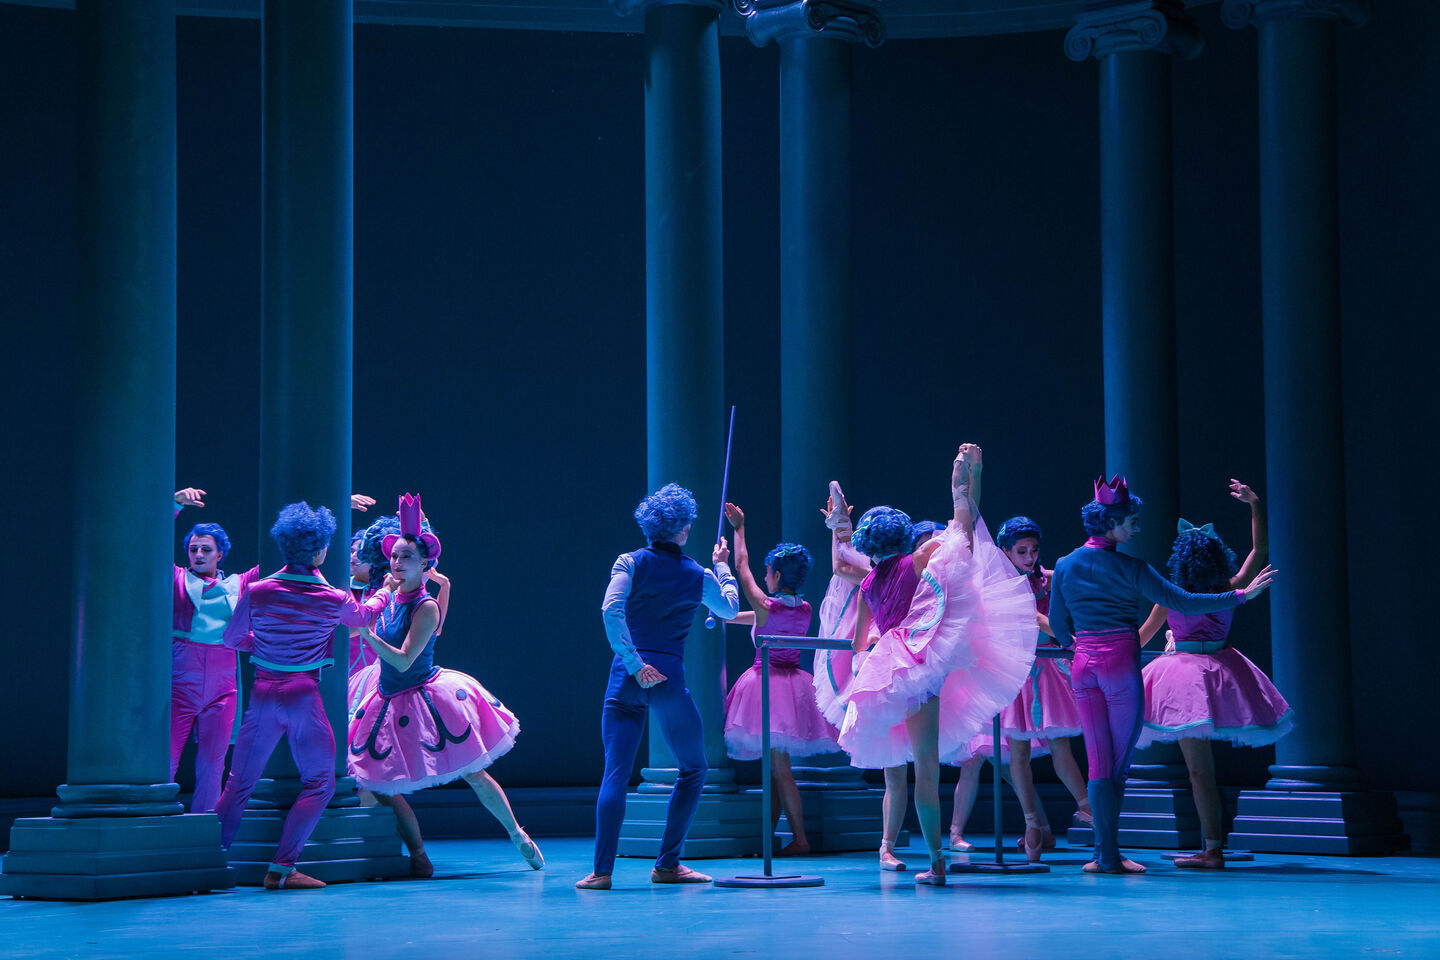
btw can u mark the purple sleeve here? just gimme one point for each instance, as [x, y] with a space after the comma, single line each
[353, 613]
[237, 631]
[1157, 589]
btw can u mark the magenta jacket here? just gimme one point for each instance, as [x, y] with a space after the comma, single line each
[183, 617]
[286, 621]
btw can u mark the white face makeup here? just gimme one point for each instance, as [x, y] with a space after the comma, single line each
[204, 555]
[406, 562]
[1025, 554]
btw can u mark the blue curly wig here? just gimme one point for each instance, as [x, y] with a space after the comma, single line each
[882, 533]
[1201, 563]
[921, 528]
[792, 562]
[1100, 518]
[222, 542]
[300, 532]
[664, 513]
[1014, 530]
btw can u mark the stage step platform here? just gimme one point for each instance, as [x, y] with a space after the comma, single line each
[1352, 823]
[349, 843]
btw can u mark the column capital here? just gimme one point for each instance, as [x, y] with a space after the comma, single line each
[626, 7]
[854, 21]
[1239, 14]
[1157, 26]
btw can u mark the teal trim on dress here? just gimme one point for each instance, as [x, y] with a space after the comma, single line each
[928, 622]
[829, 660]
[298, 578]
[1210, 721]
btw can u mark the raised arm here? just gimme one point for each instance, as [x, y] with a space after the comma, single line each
[861, 640]
[718, 591]
[965, 487]
[754, 593]
[1259, 536]
[444, 598]
[1158, 590]
[423, 624]
[845, 562]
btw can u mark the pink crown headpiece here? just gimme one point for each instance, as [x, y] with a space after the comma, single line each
[410, 513]
[1111, 492]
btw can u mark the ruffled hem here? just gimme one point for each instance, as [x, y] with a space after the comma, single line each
[968, 638]
[796, 724]
[1045, 733]
[745, 745]
[392, 787]
[830, 666]
[1253, 735]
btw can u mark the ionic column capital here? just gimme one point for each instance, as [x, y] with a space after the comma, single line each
[1157, 26]
[854, 21]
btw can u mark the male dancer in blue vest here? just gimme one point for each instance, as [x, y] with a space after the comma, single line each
[649, 608]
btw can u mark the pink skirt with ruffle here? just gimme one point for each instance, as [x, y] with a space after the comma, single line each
[969, 639]
[1045, 707]
[796, 726]
[1212, 696]
[440, 731]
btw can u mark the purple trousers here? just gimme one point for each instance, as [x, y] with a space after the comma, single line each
[1111, 698]
[282, 705]
[203, 695]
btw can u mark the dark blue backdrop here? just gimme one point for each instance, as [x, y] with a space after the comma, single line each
[499, 255]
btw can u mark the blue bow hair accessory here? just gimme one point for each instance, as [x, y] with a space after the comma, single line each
[1185, 525]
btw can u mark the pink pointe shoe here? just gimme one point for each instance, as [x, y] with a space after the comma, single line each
[888, 860]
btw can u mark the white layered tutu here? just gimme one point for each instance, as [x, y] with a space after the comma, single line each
[969, 638]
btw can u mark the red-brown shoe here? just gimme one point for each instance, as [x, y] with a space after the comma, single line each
[1207, 860]
[678, 874]
[294, 880]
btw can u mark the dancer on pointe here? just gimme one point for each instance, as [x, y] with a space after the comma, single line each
[952, 617]
[417, 725]
[286, 622]
[1043, 718]
[204, 690]
[796, 727]
[649, 608]
[1203, 689]
[1094, 601]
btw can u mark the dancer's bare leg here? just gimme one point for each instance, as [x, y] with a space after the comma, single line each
[923, 726]
[966, 788]
[1068, 770]
[1201, 761]
[897, 794]
[1022, 779]
[494, 800]
[409, 829]
[783, 780]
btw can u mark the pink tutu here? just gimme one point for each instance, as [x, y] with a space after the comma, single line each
[427, 735]
[796, 726]
[983, 745]
[834, 669]
[1212, 696]
[969, 638]
[1045, 707]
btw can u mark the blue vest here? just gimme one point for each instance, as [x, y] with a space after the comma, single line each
[665, 592]
[392, 627]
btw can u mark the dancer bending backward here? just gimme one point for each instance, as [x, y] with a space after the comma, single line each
[649, 608]
[1042, 718]
[1204, 689]
[1094, 604]
[955, 624]
[796, 726]
[203, 688]
[286, 622]
[417, 725]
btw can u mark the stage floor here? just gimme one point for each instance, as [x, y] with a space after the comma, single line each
[484, 902]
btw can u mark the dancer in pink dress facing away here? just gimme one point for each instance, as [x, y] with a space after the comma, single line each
[1203, 689]
[956, 626]
[796, 727]
[418, 725]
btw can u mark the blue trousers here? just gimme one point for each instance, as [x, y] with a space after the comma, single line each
[621, 724]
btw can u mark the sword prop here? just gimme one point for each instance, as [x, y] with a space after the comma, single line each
[724, 489]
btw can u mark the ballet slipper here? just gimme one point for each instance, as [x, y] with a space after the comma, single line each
[1034, 839]
[888, 860]
[529, 849]
[420, 866]
[1211, 859]
[793, 849]
[935, 876]
[958, 843]
[1127, 868]
[294, 880]
[593, 881]
[677, 874]
[1083, 814]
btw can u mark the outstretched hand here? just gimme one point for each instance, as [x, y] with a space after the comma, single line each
[1242, 492]
[190, 497]
[1261, 583]
[649, 677]
[735, 515]
[721, 553]
[360, 502]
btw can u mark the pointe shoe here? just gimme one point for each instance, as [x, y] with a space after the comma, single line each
[593, 881]
[677, 874]
[1213, 859]
[888, 860]
[529, 850]
[1083, 814]
[1034, 843]
[935, 876]
[420, 866]
[294, 880]
[958, 844]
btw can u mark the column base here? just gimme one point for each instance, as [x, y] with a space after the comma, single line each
[1158, 818]
[1312, 821]
[110, 858]
[726, 825]
[349, 843]
[661, 780]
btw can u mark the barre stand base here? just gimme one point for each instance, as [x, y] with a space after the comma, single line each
[779, 880]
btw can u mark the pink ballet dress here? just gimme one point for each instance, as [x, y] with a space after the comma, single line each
[834, 669]
[426, 725]
[965, 633]
[1045, 707]
[796, 726]
[1208, 690]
